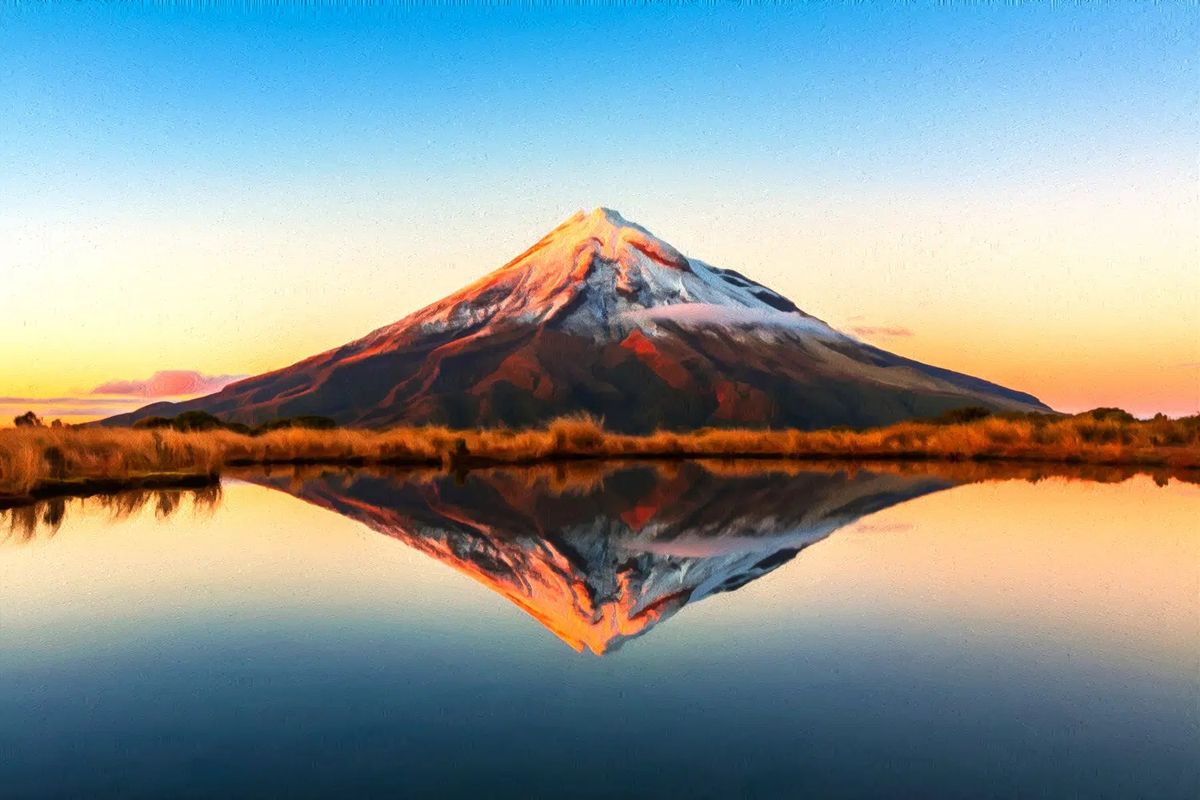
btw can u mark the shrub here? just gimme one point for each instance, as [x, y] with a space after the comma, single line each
[308, 421]
[28, 420]
[580, 432]
[196, 421]
[150, 423]
[959, 416]
[1100, 433]
[1109, 415]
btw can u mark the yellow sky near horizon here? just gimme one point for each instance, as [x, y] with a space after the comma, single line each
[1083, 298]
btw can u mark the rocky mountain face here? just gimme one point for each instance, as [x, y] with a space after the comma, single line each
[601, 558]
[603, 317]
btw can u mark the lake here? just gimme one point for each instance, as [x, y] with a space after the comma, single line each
[704, 630]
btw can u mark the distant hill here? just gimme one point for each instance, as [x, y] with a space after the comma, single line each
[601, 316]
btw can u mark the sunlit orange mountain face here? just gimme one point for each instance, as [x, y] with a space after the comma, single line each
[601, 316]
[601, 560]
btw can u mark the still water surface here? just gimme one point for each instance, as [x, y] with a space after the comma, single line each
[632, 631]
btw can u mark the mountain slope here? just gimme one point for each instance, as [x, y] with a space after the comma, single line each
[602, 316]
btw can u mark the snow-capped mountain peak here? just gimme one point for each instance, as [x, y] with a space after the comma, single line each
[615, 240]
[601, 275]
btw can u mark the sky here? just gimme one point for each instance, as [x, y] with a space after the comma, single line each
[1009, 191]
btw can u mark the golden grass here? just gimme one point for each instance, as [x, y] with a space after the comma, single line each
[50, 459]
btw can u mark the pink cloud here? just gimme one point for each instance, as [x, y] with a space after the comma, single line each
[882, 527]
[884, 331]
[168, 383]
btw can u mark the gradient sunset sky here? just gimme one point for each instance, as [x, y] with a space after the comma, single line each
[1008, 191]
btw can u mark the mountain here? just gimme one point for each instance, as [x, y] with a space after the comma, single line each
[602, 316]
[602, 560]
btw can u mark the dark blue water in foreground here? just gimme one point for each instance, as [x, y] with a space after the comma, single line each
[642, 635]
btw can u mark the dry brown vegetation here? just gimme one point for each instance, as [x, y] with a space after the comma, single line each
[44, 461]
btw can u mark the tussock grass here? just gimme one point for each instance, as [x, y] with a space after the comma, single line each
[49, 459]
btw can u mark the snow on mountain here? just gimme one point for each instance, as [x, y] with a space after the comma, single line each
[702, 315]
[601, 316]
[588, 274]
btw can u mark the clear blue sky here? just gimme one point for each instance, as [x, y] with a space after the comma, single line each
[436, 142]
[102, 98]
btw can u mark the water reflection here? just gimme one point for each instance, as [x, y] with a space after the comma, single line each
[598, 553]
[600, 557]
[44, 518]
[1002, 638]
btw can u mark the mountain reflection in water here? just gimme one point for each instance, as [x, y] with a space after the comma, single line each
[997, 639]
[602, 557]
[598, 553]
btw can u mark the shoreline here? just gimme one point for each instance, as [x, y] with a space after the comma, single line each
[38, 462]
[90, 487]
[67, 488]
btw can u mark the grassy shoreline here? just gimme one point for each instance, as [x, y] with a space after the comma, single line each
[22, 522]
[52, 488]
[42, 462]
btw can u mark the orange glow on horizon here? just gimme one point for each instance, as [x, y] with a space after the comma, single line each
[1083, 295]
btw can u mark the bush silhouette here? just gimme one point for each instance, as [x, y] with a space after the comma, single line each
[197, 421]
[203, 421]
[310, 422]
[958, 416]
[1109, 415]
[150, 423]
[28, 420]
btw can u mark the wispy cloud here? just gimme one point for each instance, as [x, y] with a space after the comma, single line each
[79, 401]
[116, 397]
[66, 407]
[70, 409]
[881, 331]
[882, 527]
[168, 383]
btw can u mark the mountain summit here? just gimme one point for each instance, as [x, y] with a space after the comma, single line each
[589, 275]
[602, 316]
